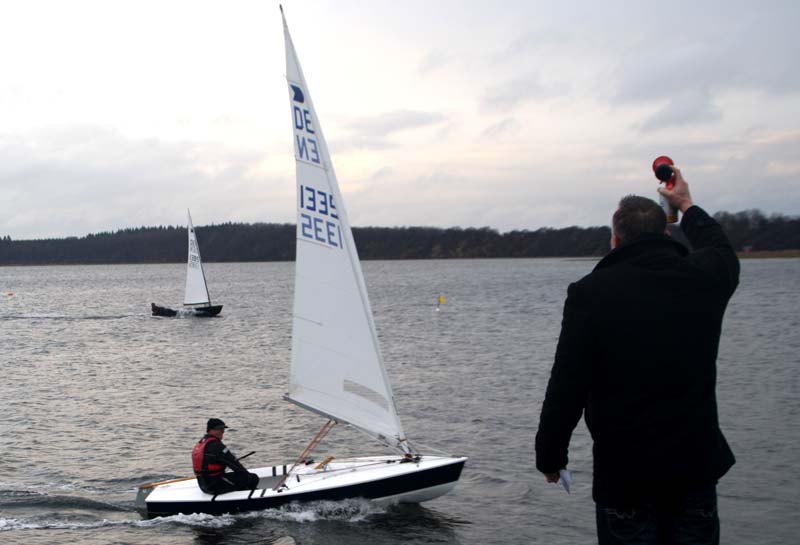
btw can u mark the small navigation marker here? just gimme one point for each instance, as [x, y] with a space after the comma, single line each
[440, 302]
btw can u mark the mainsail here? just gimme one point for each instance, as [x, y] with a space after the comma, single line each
[196, 289]
[336, 369]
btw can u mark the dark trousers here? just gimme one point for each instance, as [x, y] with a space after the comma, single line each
[228, 482]
[679, 519]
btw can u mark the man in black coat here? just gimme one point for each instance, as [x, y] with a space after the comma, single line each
[637, 355]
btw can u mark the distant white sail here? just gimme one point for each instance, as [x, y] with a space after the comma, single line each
[337, 369]
[196, 289]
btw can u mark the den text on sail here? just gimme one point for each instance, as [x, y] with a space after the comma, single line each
[318, 220]
[306, 148]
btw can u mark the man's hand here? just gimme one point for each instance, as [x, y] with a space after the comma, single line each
[679, 195]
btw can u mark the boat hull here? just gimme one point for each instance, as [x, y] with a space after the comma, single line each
[380, 479]
[211, 310]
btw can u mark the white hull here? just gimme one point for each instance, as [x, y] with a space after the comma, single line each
[383, 479]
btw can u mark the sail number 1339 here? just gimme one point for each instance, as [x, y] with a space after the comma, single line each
[317, 209]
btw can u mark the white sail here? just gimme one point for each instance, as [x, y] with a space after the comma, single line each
[196, 289]
[337, 369]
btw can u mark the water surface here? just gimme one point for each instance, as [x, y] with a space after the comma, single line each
[99, 397]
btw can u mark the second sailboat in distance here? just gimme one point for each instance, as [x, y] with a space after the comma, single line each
[196, 299]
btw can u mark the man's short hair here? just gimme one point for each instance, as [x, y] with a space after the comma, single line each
[637, 216]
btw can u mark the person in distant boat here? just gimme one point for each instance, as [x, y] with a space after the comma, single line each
[210, 457]
[162, 311]
[637, 356]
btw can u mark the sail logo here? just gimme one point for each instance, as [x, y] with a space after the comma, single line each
[319, 220]
[305, 138]
[194, 261]
[297, 94]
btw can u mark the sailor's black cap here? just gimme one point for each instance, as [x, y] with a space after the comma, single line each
[215, 424]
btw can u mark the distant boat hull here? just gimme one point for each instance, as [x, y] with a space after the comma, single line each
[211, 310]
[204, 312]
[383, 479]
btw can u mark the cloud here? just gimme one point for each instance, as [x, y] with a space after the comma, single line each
[73, 181]
[501, 128]
[712, 55]
[776, 136]
[516, 91]
[375, 132]
[526, 117]
[433, 61]
[689, 107]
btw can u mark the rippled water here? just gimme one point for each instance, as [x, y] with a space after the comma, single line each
[99, 397]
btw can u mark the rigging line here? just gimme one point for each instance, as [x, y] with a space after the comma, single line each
[203, 272]
[439, 451]
[314, 442]
[384, 442]
[329, 473]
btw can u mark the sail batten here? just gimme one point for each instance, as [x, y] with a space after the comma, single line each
[337, 369]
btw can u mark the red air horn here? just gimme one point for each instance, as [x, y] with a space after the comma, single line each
[662, 167]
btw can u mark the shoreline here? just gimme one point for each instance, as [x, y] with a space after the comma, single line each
[769, 254]
[760, 254]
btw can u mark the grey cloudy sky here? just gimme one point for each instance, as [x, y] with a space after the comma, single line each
[514, 115]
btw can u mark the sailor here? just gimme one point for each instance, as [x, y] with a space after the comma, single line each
[161, 311]
[210, 457]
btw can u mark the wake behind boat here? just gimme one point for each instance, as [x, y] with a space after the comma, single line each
[196, 299]
[337, 370]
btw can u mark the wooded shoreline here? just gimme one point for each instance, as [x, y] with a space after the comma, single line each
[752, 234]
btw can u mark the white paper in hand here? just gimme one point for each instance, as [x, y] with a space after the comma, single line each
[566, 478]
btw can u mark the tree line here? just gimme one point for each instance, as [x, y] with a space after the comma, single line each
[749, 230]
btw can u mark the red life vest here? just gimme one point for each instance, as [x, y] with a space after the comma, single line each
[201, 468]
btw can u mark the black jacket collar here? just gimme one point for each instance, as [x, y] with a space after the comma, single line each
[645, 244]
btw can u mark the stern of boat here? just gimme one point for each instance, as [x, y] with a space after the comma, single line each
[141, 499]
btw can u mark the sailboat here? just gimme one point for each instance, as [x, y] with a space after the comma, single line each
[336, 369]
[196, 298]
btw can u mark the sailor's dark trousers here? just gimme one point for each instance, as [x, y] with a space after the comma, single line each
[237, 480]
